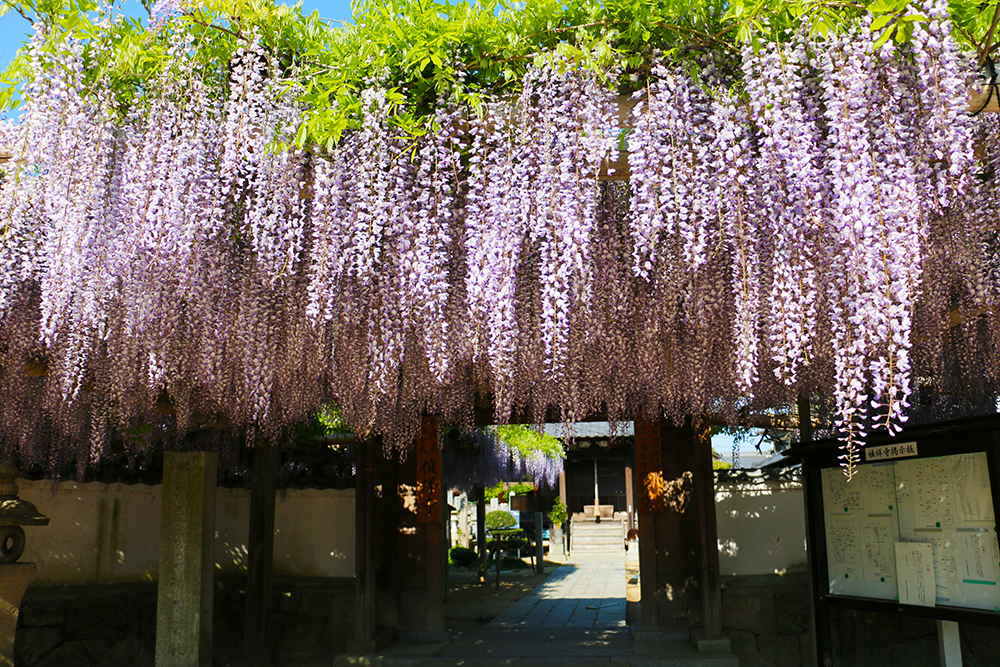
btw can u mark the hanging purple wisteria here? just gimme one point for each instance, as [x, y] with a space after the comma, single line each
[480, 459]
[811, 226]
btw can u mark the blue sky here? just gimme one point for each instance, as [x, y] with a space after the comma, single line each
[15, 30]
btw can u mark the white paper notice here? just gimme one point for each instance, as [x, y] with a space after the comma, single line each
[915, 573]
[877, 535]
[976, 562]
[842, 537]
[933, 494]
[877, 486]
[949, 584]
[972, 476]
[841, 495]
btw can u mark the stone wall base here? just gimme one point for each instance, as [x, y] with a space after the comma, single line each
[115, 625]
[766, 618]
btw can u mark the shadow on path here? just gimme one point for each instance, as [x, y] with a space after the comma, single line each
[575, 618]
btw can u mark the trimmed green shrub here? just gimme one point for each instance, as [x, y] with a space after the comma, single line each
[462, 557]
[499, 520]
[558, 513]
[507, 543]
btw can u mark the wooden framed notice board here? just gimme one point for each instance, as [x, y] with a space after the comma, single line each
[915, 530]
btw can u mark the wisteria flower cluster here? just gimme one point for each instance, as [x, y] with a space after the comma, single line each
[815, 223]
[492, 460]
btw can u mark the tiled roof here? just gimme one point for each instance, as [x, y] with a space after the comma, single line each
[589, 430]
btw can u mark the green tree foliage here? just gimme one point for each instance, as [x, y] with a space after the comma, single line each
[424, 52]
[529, 442]
[504, 489]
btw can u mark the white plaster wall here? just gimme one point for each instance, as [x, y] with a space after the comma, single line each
[105, 533]
[314, 533]
[762, 527]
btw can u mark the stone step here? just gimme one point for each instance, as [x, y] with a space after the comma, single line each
[597, 548]
[598, 536]
[599, 530]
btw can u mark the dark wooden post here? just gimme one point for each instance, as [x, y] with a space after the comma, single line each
[539, 546]
[259, 626]
[629, 498]
[364, 566]
[483, 554]
[430, 503]
[708, 543]
[819, 618]
[567, 527]
[648, 463]
[419, 556]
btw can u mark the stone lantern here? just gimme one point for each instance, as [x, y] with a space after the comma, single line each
[14, 576]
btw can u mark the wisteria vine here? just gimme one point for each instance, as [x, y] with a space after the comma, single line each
[809, 222]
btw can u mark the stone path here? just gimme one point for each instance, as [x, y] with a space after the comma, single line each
[575, 618]
[581, 594]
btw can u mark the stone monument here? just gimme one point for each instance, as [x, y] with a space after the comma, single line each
[14, 576]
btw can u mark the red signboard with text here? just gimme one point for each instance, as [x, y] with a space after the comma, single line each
[649, 466]
[428, 473]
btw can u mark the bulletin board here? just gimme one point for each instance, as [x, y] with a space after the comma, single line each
[913, 529]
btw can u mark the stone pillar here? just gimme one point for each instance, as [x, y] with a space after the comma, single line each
[187, 560]
[463, 524]
[629, 498]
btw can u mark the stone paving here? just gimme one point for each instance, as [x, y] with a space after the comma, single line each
[580, 594]
[575, 618]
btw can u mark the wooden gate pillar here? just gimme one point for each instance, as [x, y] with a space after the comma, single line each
[663, 478]
[422, 556]
[376, 598]
[258, 628]
[678, 544]
[708, 636]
